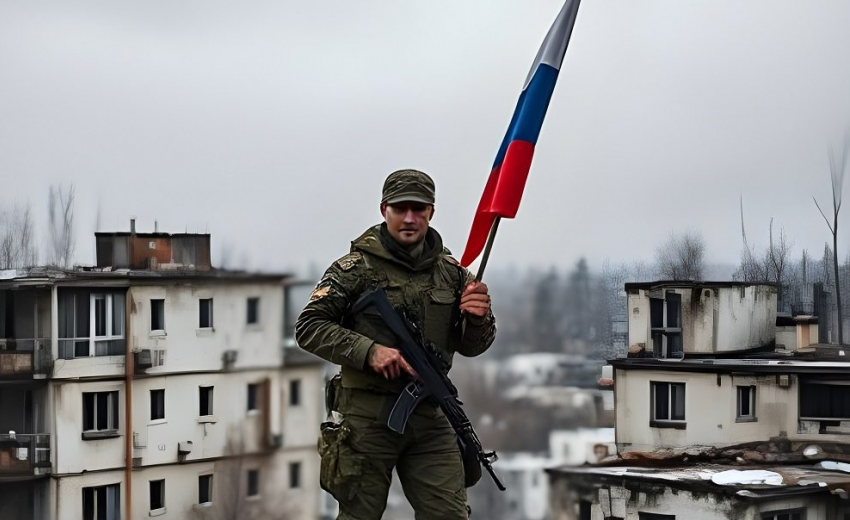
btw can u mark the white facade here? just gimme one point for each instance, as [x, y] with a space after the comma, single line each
[303, 404]
[712, 318]
[201, 409]
[711, 403]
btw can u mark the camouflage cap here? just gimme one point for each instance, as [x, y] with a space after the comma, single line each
[408, 186]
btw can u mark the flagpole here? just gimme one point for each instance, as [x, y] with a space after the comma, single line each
[486, 255]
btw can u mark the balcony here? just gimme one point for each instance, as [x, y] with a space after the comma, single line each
[23, 455]
[73, 348]
[25, 358]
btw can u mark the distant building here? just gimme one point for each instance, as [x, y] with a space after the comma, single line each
[147, 386]
[714, 420]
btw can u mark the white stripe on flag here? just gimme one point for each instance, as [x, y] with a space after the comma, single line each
[555, 44]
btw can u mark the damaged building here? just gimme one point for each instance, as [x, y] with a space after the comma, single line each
[147, 385]
[722, 411]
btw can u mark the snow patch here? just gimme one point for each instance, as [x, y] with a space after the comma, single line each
[734, 477]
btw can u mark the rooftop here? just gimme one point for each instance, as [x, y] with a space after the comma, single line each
[819, 358]
[49, 275]
[756, 483]
[690, 283]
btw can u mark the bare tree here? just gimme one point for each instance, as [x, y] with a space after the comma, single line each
[61, 221]
[838, 164]
[17, 241]
[681, 257]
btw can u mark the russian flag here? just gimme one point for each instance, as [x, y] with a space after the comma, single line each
[504, 187]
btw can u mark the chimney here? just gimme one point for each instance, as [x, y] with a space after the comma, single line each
[133, 226]
[155, 226]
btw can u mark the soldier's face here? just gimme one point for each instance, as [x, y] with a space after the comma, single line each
[407, 222]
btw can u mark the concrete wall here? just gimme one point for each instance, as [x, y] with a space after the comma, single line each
[714, 319]
[190, 348]
[70, 453]
[301, 434]
[710, 411]
[231, 429]
[629, 501]
[745, 321]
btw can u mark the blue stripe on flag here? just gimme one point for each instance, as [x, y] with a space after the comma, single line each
[530, 110]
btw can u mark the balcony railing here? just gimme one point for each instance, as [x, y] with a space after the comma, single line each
[72, 348]
[23, 454]
[25, 357]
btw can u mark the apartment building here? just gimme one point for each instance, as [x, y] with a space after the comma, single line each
[716, 419]
[147, 386]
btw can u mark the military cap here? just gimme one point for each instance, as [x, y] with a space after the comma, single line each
[408, 186]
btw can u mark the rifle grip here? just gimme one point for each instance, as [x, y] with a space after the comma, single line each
[404, 406]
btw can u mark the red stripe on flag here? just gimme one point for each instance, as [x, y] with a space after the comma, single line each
[511, 182]
[482, 222]
[501, 197]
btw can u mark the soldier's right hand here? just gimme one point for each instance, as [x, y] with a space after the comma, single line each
[388, 362]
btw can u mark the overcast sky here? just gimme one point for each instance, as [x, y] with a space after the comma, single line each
[272, 124]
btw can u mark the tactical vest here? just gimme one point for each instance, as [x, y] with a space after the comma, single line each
[430, 298]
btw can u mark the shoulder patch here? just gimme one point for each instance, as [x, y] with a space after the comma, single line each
[350, 260]
[319, 293]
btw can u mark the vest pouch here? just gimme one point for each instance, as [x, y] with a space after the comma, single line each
[341, 469]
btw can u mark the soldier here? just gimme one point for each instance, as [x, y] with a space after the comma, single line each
[405, 256]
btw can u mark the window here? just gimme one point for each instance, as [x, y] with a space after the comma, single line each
[295, 392]
[825, 400]
[294, 475]
[102, 502]
[252, 396]
[665, 317]
[253, 482]
[91, 324]
[157, 495]
[157, 404]
[206, 401]
[655, 516]
[787, 514]
[100, 412]
[668, 405]
[253, 311]
[205, 489]
[746, 403]
[157, 315]
[205, 319]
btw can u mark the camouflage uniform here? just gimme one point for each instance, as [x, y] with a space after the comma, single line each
[360, 453]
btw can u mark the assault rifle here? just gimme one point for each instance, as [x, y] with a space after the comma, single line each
[432, 383]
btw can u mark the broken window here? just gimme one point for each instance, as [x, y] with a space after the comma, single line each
[294, 475]
[665, 318]
[157, 315]
[157, 404]
[100, 411]
[668, 404]
[205, 319]
[102, 502]
[253, 311]
[253, 390]
[295, 392]
[746, 403]
[253, 482]
[157, 494]
[205, 489]
[825, 400]
[206, 401]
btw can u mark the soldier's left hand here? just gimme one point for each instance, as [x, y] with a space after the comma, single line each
[475, 299]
